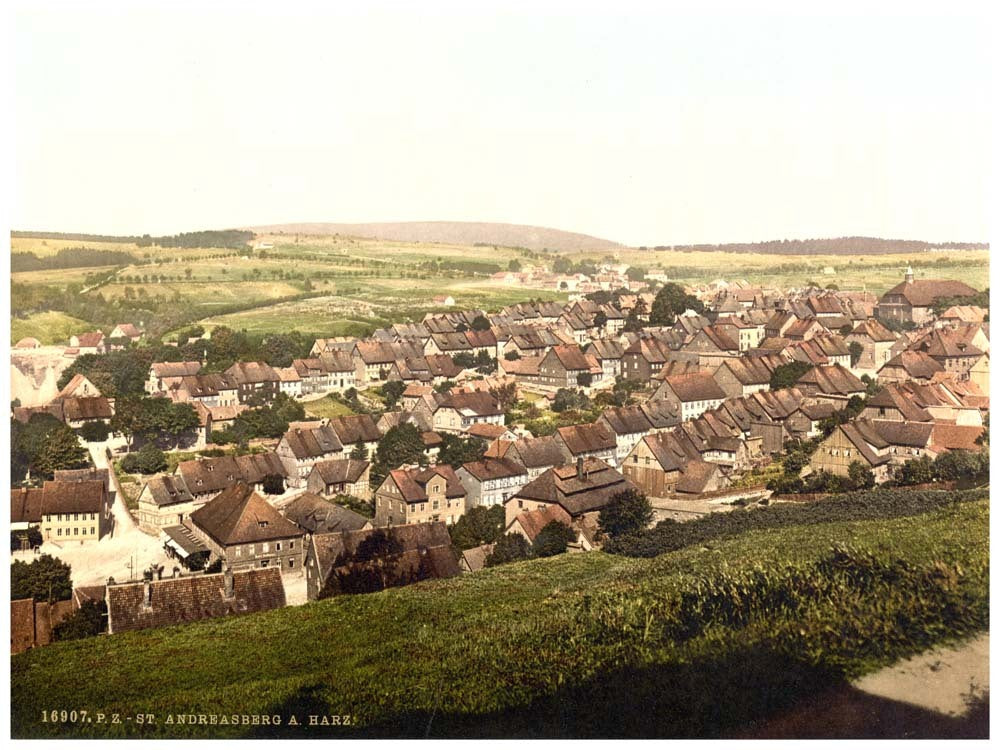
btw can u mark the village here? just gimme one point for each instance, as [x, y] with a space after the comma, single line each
[475, 438]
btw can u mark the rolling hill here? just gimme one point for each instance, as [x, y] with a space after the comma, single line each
[454, 232]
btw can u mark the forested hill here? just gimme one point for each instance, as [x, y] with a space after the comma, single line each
[455, 233]
[227, 238]
[836, 246]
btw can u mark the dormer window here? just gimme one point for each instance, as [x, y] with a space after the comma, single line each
[262, 524]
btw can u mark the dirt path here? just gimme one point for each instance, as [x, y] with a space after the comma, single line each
[941, 693]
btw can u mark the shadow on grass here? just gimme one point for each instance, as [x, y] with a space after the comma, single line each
[755, 692]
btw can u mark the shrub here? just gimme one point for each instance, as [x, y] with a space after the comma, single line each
[553, 539]
[95, 432]
[670, 535]
[148, 460]
[627, 512]
[509, 548]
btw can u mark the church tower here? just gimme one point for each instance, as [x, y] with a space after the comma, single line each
[908, 277]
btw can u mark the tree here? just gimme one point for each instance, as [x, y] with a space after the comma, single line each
[568, 398]
[860, 476]
[402, 444]
[508, 548]
[670, 302]
[28, 538]
[95, 432]
[148, 460]
[392, 391]
[505, 394]
[88, 621]
[856, 351]
[511, 356]
[514, 266]
[273, 484]
[562, 265]
[456, 451]
[635, 273]
[479, 525]
[916, 471]
[359, 452]
[786, 376]
[480, 323]
[45, 579]
[553, 539]
[627, 512]
[961, 464]
[61, 450]
[584, 379]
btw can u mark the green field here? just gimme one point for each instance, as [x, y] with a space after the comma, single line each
[48, 327]
[370, 283]
[326, 408]
[577, 645]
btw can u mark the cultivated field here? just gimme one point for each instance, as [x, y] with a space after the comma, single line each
[359, 284]
[48, 327]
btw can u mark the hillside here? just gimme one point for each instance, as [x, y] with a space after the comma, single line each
[454, 233]
[834, 246]
[696, 642]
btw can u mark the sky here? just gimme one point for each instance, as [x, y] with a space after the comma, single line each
[647, 125]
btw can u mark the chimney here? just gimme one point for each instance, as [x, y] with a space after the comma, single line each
[579, 467]
[111, 581]
[227, 578]
[147, 594]
[177, 572]
[159, 573]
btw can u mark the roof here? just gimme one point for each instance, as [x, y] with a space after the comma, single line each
[695, 477]
[486, 430]
[955, 437]
[26, 504]
[28, 342]
[571, 357]
[626, 420]
[238, 515]
[587, 438]
[90, 339]
[494, 468]
[873, 330]
[306, 443]
[86, 496]
[168, 490]
[533, 521]
[210, 475]
[253, 372]
[475, 558]
[946, 343]
[915, 364]
[318, 515]
[479, 403]
[340, 470]
[412, 483]
[832, 380]
[355, 428]
[335, 551]
[88, 407]
[175, 601]
[129, 330]
[924, 292]
[174, 369]
[533, 452]
[591, 491]
[696, 386]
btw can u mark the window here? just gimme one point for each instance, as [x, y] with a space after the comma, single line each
[291, 562]
[265, 547]
[277, 547]
[291, 545]
[236, 553]
[58, 532]
[92, 530]
[76, 531]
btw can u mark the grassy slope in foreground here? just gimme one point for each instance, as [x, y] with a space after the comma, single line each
[547, 647]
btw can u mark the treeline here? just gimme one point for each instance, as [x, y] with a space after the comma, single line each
[835, 246]
[70, 257]
[231, 238]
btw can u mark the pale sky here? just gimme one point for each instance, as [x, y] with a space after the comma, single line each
[637, 124]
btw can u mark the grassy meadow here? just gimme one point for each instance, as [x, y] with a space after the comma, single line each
[48, 327]
[697, 642]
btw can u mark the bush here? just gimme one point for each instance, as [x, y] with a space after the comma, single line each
[509, 548]
[148, 460]
[45, 579]
[86, 622]
[627, 512]
[670, 535]
[552, 540]
[95, 432]
[32, 535]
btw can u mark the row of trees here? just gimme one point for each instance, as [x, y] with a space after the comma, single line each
[42, 446]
